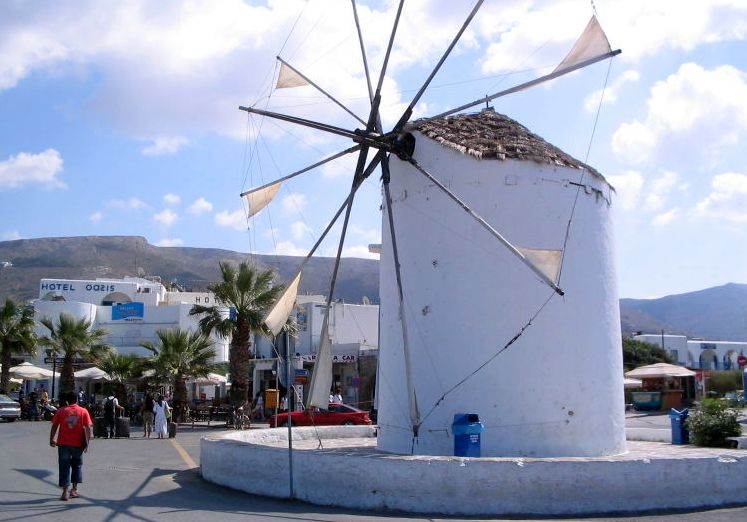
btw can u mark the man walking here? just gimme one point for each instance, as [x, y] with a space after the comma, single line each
[111, 405]
[72, 426]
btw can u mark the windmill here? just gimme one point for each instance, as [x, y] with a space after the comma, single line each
[390, 150]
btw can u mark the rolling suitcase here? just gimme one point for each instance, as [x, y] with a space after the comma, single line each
[99, 427]
[122, 427]
[172, 430]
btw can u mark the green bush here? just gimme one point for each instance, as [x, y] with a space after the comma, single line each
[713, 423]
[725, 381]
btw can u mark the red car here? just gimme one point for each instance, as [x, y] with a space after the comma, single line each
[335, 415]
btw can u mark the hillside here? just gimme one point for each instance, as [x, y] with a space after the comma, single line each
[718, 313]
[193, 268]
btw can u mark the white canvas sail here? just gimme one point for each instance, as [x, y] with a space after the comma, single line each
[592, 43]
[289, 78]
[278, 315]
[259, 199]
[321, 377]
[546, 261]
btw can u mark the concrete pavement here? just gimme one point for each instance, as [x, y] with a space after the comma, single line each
[137, 479]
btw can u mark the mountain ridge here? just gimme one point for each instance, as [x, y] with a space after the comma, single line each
[717, 313]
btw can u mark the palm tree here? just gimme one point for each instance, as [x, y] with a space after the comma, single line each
[121, 369]
[16, 335]
[73, 338]
[249, 293]
[180, 354]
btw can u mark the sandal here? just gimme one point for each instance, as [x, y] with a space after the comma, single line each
[73, 494]
[64, 496]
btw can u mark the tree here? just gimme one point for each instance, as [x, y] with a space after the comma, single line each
[73, 338]
[121, 369]
[16, 335]
[179, 355]
[249, 293]
[639, 353]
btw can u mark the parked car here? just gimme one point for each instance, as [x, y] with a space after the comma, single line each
[335, 415]
[10, 410]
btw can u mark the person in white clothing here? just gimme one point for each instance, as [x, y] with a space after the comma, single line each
[161, 409]
[336, 397]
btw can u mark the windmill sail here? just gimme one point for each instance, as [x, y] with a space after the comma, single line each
[259, 199]
[277, 317]
[592, 43]
[321, 377]
[547, 261]
[289, 78]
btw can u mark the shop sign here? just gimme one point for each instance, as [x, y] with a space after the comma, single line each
[128, 312]
[341, 358]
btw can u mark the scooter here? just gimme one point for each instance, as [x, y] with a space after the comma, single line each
[48, 411]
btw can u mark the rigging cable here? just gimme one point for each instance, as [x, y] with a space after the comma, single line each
[583, 172]
[483, 365]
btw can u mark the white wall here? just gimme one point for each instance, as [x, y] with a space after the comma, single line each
[673, 344]
[558, 390]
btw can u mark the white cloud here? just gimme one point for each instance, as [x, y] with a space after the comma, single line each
[132, 203]
[728, 198]
[694, 109]
[235, 220]
[172, 199]
[591, 103]
[170, 242]
[10, 235]
[657, 194]
[294, 203]
[665, 218]
[628, 186]
[26, 168]
[360, 251]
[520, 30]
[372, 235]
[166, 218]
[200, 206]
[96, 217]
[299, 230]
[164, 146]
[287, 248]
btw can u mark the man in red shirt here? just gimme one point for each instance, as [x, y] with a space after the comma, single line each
[72, 425]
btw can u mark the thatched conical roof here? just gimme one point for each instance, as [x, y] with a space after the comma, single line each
[490, 135]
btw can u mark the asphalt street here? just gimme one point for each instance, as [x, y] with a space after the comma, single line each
[158, 480]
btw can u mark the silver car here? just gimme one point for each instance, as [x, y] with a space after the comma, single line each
[10, 410]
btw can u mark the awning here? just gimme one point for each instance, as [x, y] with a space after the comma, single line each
[92, 374]
[659, 370]
[29, 371]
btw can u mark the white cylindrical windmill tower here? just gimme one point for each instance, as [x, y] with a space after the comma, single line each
[558, 389]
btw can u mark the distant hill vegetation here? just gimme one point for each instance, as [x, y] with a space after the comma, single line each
[192, 268]
[718, 313]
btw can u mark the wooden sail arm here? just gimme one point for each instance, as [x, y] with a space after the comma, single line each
[313, 84]
[515, 251]
[305, 169]
[408, 112]
[520, 87]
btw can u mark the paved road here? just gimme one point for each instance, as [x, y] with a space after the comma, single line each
[137, 479]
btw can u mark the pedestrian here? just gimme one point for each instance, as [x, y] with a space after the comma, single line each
[44, 396]
[284, 403]
[258, 412]
[72, 427]
[161, 409]
[81, 397]
[148, 414]
[111, 406]
[33, 405]
[336, 397]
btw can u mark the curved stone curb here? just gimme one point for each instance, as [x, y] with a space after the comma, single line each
[256, 461]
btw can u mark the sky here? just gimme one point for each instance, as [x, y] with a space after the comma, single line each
[121, 118]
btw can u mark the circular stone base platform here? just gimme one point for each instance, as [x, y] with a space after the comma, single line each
[349, 471]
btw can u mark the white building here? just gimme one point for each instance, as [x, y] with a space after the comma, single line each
[131, 310]
[699, 353]
[353, 330]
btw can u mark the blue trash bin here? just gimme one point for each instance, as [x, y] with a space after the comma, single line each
[680, 435]
[467, 429]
